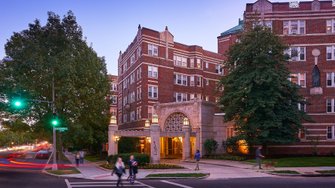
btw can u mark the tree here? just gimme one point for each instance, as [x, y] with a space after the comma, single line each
[257, 95]
[57, 52]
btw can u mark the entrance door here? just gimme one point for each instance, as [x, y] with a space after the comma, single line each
[172, 147]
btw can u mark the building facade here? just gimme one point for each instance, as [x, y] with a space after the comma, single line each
[308, 28]
[156, 71]
[113, 82]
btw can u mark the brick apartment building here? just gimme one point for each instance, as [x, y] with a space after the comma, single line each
[306, 27]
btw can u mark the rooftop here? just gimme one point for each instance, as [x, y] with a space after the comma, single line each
[234, 30]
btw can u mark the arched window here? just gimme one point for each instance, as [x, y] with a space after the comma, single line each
[174, 123]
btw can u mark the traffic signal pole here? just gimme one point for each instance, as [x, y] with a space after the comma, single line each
[54, 147]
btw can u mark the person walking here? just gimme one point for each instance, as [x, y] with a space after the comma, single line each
[133, 169]
[82, 155]
[119, 170]
[77, 158]
[197, 159]
[259, 156]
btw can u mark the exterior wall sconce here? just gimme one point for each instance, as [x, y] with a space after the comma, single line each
[148, 139]
[117, 138]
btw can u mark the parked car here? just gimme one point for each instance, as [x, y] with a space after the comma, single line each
[42, 154]
[16, 155]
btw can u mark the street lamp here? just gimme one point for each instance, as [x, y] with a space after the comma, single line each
[186, 121]
[147, 123]
[112, 121]
[154, 119]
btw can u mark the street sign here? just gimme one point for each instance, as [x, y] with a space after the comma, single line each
[62, 129]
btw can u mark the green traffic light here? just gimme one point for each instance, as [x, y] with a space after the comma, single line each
[54, 122]
[18, 103]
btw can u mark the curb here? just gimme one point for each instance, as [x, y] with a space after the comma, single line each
[302, 175]
[163, 178]
[60, 176]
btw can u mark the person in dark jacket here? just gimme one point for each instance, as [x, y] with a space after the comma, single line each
[197, 159]
[259, 156]
[119, 170]
[133, 168]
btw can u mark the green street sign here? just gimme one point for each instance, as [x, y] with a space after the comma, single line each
[61, 129]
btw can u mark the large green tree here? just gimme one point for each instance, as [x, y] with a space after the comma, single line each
[257, 95]
[57, 53]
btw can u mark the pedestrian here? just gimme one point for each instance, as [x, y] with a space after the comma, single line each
[82, 155]
[77, 157]
[133, 169]
[259, 157]
[197, 159]
[119, 170]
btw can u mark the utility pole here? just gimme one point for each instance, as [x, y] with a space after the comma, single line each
[54, 165]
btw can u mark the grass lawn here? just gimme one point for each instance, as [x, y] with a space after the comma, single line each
[285, 172]
[326, 171]
[300, 161]
[64, 171]
[177, 175]
[93, 158]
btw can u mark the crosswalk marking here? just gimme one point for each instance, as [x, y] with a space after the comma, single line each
[175, 184]
[112, 183]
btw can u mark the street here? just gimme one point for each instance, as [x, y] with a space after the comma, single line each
[35, 179]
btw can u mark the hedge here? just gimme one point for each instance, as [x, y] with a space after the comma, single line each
[142, 159]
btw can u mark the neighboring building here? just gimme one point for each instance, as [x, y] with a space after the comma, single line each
[306, 27]
[175, 81]
[229, 37]
[113, 82]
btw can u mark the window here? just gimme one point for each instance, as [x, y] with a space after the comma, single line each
[265, 23]
[125, 118]
[302, 133]
[330, 79]
[294, 27]
[199, 63]
[181, 79]
[230, 132]
[191, 80]
[139, 93]
[206, 81]
[132, 59]
[180, 61]
[125, 85]
[207, 98]
[331, 132]
[125, 100]
[150, 112]
[180, 97]
[330, 52]
[153, 92]
[152, 72]
[125, 67]
[113, 111]
[330, 26]
[192, 63]
[152, 50]
[219, 69]
[138, 112]
[299, 79]
[132, 78]
[330, 106]
[199, 81]
[113, 99]
[192, 96]
[139, 73]
[132, 97]
[296, 53]
[206, 65]
[113, 87]
[132, 116]
[138, 52]
[302, 106]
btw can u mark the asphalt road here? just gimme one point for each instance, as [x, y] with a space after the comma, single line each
[35, 179]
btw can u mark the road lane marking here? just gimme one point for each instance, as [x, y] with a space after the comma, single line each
[175, 184]
[143, 184]
[92, 185]
[67, 183]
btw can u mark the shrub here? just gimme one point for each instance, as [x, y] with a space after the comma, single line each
[142, 159]
[129, 145]
[228, 157]
[210, 146]
[232, 144]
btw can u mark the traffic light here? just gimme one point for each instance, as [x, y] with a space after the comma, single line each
[55, 121]
[18, 103]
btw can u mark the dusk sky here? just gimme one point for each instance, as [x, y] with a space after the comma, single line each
[111, 25]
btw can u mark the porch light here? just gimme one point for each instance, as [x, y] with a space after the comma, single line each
[117, 138]
[147, 123]
[154, 119]
[148, 139]
[186, 122]
[112, 120]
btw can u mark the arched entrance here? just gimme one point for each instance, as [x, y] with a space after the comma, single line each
[172, 142]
